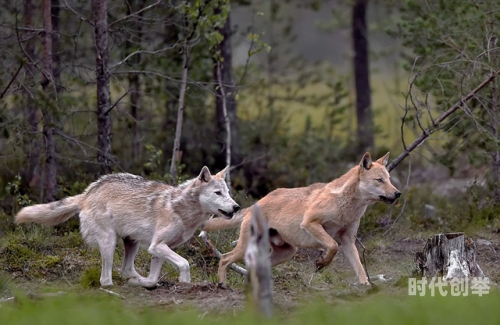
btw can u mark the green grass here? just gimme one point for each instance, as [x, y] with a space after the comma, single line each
[375, 309]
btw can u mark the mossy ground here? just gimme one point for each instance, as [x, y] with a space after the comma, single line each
[37, 260]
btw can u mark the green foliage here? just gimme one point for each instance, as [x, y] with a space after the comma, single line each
[21, 200]
[470, 211]
[90, 278]
[103, 309]
[5, 282]
[454, 50]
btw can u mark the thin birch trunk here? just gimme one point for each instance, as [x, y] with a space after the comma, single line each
[100, 11]
[227, 123]
[180, 115]
[50, 170]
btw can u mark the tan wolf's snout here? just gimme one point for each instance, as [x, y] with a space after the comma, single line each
[390, 199]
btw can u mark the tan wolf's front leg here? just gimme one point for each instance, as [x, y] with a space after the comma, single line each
[316, 230]
[351, 253]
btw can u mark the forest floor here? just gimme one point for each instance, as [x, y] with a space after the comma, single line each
[390, 263]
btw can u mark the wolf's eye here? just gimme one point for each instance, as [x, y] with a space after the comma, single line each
[380, 180]
[218, 192]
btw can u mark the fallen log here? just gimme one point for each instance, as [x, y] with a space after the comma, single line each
[258, 264]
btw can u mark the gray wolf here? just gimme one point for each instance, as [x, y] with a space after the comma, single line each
[142, 213]
[317, 217]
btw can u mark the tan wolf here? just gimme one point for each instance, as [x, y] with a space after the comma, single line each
[143, 213]
[311, 217]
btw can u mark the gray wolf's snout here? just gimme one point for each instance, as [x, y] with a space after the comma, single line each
[397, 194]
[229, 214]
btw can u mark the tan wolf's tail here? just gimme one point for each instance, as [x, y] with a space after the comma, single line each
[50, 214]
[219, 223]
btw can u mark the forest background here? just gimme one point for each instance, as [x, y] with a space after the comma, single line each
[287, 93]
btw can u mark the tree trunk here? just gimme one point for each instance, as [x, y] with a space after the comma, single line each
[34, 174]
[259, 264]
[100, 11]
[180, 116]
[135, 88]
[495, 123]
[225, 103]
[56, 44]
[496, 153]
[448, 256]
[362, 77]
[50, 170]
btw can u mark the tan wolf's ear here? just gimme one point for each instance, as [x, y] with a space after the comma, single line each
[384, 160]
[222, 174]
[366, 161]
[204, 175]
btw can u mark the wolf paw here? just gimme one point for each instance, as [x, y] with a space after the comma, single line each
[224, 286]
[143, 282]
[321, 263]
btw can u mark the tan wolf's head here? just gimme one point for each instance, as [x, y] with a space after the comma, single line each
[374, 180]
[214, 194]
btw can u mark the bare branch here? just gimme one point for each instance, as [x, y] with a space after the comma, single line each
[134, 13]
[428, 131]
[11, 81]
[80, 16]
[141, 52]
[116, 103]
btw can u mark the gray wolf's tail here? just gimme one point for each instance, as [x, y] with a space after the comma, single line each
[217, 224]
[50, 214]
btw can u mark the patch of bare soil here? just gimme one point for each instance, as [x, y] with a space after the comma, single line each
[297, 281]
[205, 296]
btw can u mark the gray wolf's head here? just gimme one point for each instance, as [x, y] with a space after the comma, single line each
[214, 194]
[374, 180]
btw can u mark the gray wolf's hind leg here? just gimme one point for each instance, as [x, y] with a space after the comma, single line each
[151, 282]
[107, 244]
[131, 248]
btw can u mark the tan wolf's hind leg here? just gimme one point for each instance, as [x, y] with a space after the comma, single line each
[282, 253]
[319, 233]
[237, 254]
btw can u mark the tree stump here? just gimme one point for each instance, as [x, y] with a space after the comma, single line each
[449, 256]
[258, 264]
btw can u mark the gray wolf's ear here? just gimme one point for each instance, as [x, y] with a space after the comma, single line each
[222, 174]
[384, 160]
[366, 161]
[205, 175]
